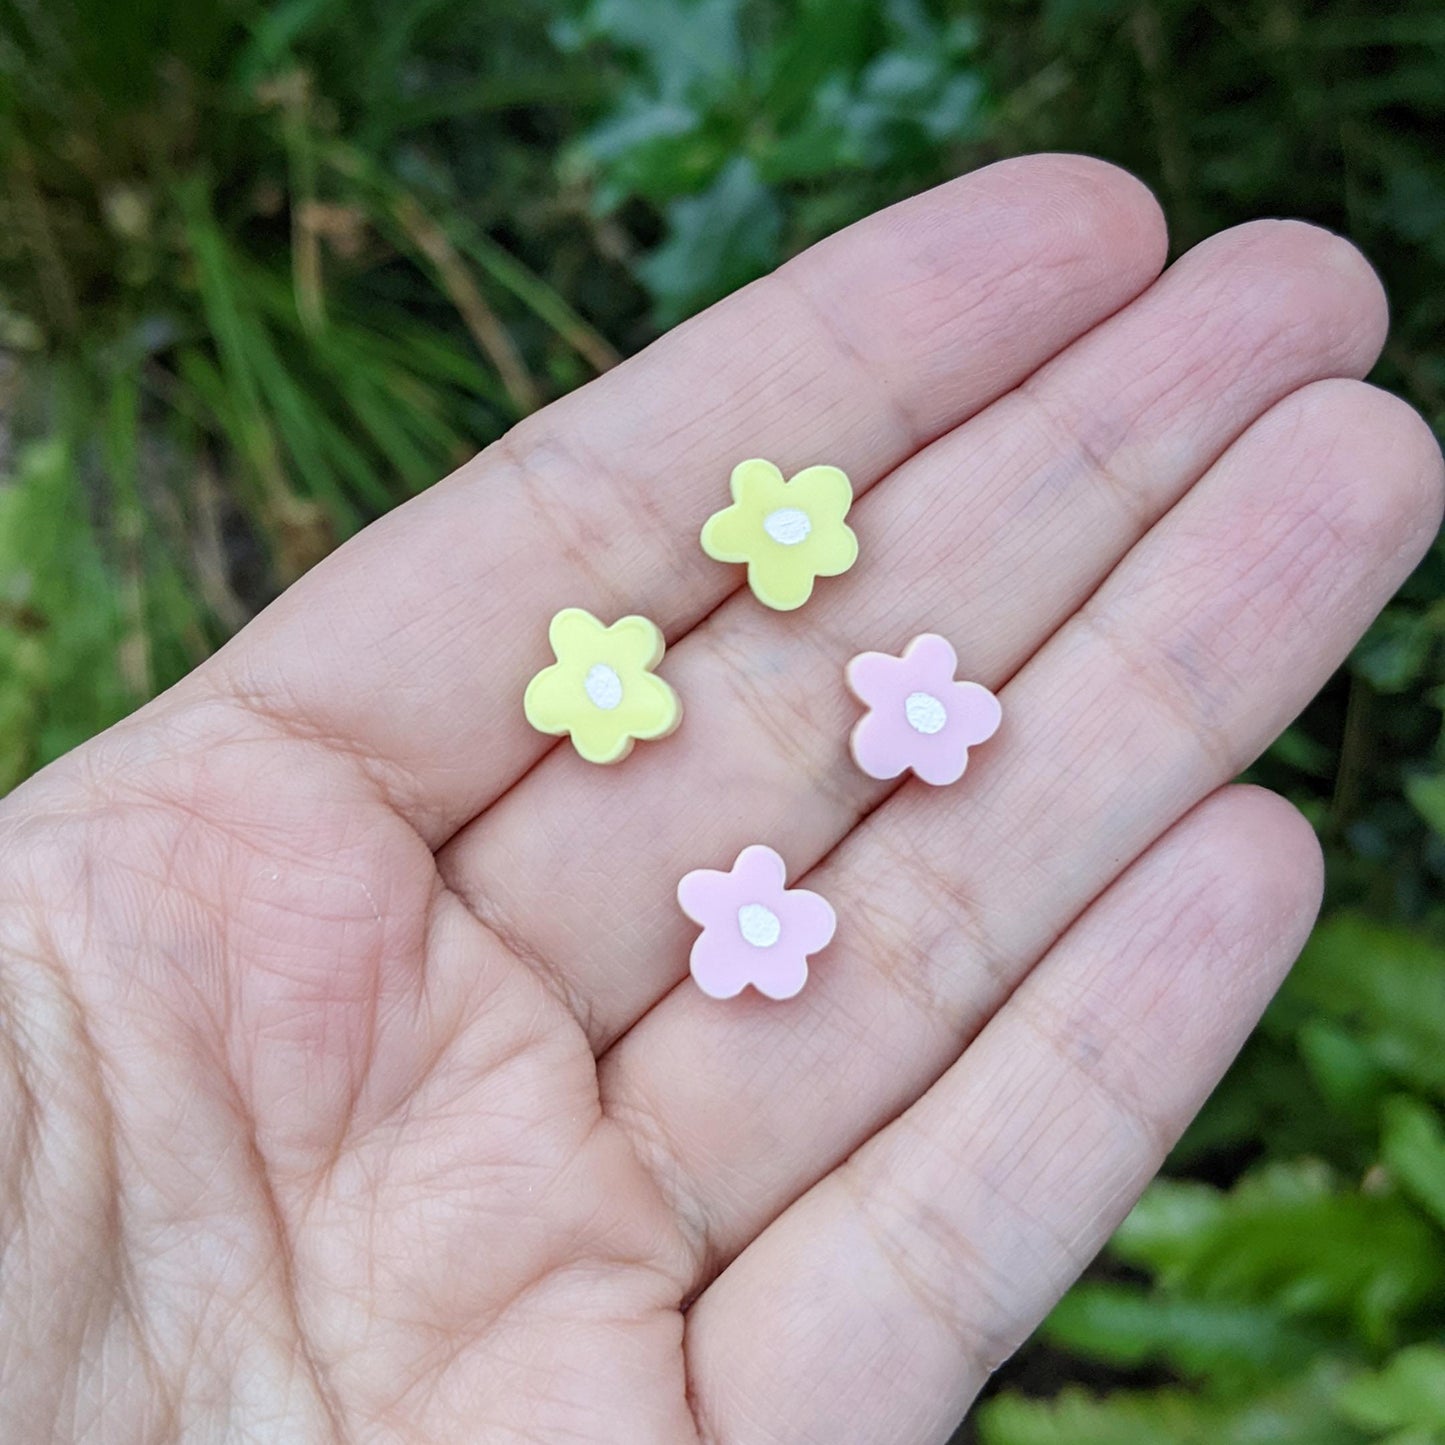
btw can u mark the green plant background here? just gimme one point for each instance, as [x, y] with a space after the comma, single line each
[268, 268]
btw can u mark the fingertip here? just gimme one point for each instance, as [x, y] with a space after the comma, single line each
[1312, 272]
[1104, 199]
[1415, 484]
[1267, 858]
[1378, 462]
[1047, 244]
[1074, 211]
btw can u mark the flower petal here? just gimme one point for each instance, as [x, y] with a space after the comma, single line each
[873, 678]
[649, 707]
[759, 876]
[731, 534]
[832, 549]
[631, 643]
[808, 920]
[718, 965]
[550, 700]
[782, 578]
[756, 484]
[977, 711]
[780, 975]
[930, 663]
[600, 736]
[877, 745]
[574, 633]
[941, 759]
[706, 896]
[825, 493]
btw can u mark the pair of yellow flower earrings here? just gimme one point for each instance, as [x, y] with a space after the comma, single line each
[602, 689]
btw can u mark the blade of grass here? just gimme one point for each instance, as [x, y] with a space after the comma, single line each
[306, 420]
[296, 528]
[305, 238]
[247, 425]
[422, 353]
[36, 231]
[575, 87]
[394, 401]
[487, 330]
[529, 288]
[120, 422]
[504, 268]
[247, 353]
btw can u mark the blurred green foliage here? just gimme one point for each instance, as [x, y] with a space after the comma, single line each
[267, 268]
[264, 271]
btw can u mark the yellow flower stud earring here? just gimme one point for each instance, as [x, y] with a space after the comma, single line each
[602, 689]
[788, 532]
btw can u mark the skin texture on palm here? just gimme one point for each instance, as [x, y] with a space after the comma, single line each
[350, 1087]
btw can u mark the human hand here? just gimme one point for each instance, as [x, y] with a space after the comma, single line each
[351, 1084]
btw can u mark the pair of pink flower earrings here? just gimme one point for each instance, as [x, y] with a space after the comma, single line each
[604, 693]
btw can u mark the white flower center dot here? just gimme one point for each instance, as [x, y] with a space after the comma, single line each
[759, 925]
[788, 526]
[924, 712]
[603, 686]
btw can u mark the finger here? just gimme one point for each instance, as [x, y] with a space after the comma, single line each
[1203, 643]
[410, 647]
[991, 536]
[900, 1281]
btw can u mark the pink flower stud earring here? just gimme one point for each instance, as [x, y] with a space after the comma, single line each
[755, 929]
[918, 716]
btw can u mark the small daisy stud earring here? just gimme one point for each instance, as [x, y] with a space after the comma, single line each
[788, 532]
[918, 716]
[602, 689]
[755, 929]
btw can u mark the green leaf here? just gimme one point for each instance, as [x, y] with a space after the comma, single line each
[1299, 750]
[61, 624]
[827, 39]
[1385, 984]
[1392, 655]
[650, 148]
[1414, 203]
[1407, 1394]
[685, 46]
[716, 241]
[1426, 791]
[1128, 1326]
[1348, 1074]
[1297, 1414]
[1414, 1150]
[1292, 1236]
[1267, 1095]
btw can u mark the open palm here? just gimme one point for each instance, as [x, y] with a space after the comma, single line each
[352, 1087]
